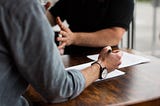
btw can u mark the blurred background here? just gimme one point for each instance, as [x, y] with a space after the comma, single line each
[147, 27]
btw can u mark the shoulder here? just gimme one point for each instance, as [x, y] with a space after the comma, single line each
[122, 2]
[18, 7]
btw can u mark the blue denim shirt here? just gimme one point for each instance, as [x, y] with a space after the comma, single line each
[28, 55]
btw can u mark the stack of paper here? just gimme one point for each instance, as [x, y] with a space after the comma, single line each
[127, 60]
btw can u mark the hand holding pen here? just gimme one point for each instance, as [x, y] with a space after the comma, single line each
[109, 59]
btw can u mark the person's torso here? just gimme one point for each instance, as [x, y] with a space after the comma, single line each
[91, 16]
[12, 84]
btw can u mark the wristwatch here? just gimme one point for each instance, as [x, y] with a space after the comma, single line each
[103, 71]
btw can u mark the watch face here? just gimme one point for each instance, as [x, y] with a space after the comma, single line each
[104, 73]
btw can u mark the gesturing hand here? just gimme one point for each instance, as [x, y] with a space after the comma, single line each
[67, 37]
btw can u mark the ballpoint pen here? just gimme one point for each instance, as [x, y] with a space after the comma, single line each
[109, 49]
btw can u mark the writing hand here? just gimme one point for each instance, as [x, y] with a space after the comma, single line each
[109, 60]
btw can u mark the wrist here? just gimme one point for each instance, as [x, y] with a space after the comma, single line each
[102, 70]
[74, 38]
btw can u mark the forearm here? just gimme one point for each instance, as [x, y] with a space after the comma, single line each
[100, 38]
[91, 74]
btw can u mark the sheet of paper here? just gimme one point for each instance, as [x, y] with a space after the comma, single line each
[112, 74]
[128, 59]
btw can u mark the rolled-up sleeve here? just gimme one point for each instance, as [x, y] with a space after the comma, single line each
[37, 58]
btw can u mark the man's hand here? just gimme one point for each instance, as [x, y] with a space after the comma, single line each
[109, 60]
[67, 37]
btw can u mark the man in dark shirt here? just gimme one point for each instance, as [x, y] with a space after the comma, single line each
[92, 23]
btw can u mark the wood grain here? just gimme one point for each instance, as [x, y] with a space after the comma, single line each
[140, 86]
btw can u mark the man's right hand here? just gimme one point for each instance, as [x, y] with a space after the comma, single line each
[109, 60]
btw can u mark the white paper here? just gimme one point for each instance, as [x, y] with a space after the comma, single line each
[112, 74]
[128, 59]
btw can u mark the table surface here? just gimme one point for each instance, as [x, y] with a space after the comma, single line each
[140, 84]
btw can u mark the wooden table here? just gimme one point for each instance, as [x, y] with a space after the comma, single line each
[140, 86]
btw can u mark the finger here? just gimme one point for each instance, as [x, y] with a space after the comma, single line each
[116, 51]
[63, 33]
[63, 27]
[62, 46]
[119, 54]
[60, 23]
[61, 39]
[61, 51]
[58, 20]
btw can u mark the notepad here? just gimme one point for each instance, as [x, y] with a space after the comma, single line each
[128, 59]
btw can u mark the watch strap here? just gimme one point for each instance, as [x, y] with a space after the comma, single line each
[101, 69]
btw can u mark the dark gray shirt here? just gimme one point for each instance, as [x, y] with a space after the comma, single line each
[28, 55]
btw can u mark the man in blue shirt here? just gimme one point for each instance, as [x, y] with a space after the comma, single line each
[28, 55]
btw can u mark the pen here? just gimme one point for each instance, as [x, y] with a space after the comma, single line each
[109, 49]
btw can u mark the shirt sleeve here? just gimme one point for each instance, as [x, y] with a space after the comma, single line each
[120, 13]
[36, 56]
